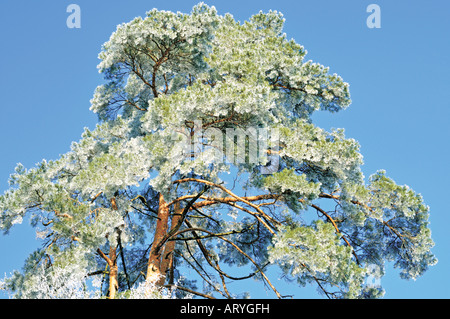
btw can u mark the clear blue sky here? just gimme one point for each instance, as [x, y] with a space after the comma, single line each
[398, 75]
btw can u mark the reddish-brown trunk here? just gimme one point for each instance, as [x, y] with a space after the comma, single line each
[167, 257]
[113, 274]
[154, 260]
[111, 260]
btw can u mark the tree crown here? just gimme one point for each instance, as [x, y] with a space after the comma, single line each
[205, 155]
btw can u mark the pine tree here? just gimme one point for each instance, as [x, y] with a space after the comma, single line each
[205, 158]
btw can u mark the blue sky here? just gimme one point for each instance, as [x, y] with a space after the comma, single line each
[398, 78]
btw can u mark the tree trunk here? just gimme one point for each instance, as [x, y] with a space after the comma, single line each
[167, 257]
[113, 269]
[111, 260]
[159, 263]
[113, 273]
[154, 261]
